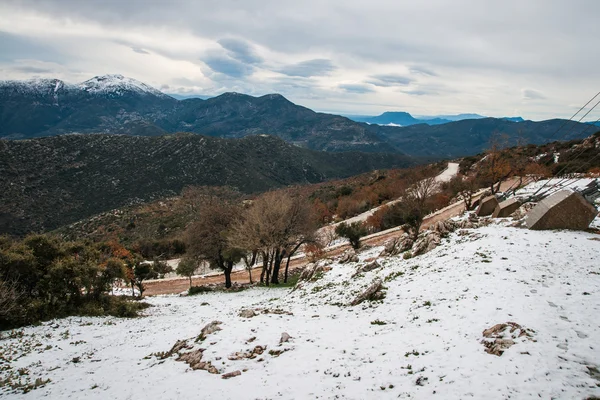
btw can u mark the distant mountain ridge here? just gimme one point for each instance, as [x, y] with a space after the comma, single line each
[118, 105]
[115, 104]
[402, 118]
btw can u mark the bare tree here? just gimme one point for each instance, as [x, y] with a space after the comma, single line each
[495, 168]
[10, 297]
[275, 225]
[414, 204]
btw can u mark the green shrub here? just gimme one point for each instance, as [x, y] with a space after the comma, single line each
[199, 289]
[353, 232]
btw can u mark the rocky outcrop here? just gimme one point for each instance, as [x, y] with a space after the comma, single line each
[348, 256]
[396, 246]
[500, 337]
[373, 292]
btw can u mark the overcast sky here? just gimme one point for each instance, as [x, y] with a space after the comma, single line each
[534, 58]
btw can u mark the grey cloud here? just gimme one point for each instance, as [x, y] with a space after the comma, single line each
[420, 70]
[139, 50]
[241, 50]
[316, 67]
[356, 88]
[387, 80]
[30, 69]
[227, 66]
[532, 94]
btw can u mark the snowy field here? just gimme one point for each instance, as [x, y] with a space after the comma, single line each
[422, 341]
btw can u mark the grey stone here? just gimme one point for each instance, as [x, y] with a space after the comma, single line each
[565, 209]
[487, 206]
[506, 208]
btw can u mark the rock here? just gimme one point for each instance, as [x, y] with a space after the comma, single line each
[366, 268]
[285, 337]
[506, 208]
[397, 245]
[247, 313]
[312, 271]
[231, 374]
[500, 337]
[348, 256]
[426, 242]
[209, 329]
[193, 359]
[565, 209]
[443, 228]
[487, 206]
[373, 292]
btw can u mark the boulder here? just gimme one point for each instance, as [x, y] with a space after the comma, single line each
[506, 208]
[231, 374]
[209, 329]
[285, 337]
[348, 256]
[426, 242]
[565, 209]
[373, 292]
[247, 313]
[487, 206]
[396, 246]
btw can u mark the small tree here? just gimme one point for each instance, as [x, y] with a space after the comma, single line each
[353, 232]
[414, 204]
[187, 267]
[141, 272]
[208, 240]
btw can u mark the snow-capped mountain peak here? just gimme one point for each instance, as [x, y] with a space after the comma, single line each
[38, 86]
[117, 85]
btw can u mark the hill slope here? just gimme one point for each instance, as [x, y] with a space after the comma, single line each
[425, 336]
[49, 182]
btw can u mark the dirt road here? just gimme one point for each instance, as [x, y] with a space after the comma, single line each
[179, 285]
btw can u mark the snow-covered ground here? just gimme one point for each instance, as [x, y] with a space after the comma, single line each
[422, 341]
[553, 185]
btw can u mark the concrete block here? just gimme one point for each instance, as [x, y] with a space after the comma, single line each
[506, 208]
[565, 209]
[487, 206]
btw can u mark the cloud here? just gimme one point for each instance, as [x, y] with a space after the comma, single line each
[139, 50]
[227, 66]
[316, 67]
[484, 51]
[241, 50]
[420, 70]
[388, 80]
[356, 88]
[532, 94]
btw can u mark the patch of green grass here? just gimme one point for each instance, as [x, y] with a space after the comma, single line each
[412, 353]
[429, 321]
[427, 304]
[378, 322]
[393, 276]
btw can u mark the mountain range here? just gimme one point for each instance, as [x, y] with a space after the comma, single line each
[119, 105]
